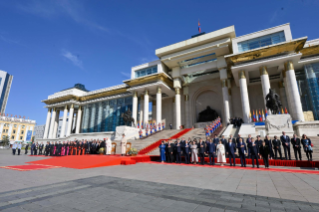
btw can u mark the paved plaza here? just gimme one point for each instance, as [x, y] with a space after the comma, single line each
[153, 187]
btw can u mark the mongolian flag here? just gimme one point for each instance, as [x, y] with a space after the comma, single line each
[199, 29]
[138, 125]
[282, 110]
[142, 126]
[263, 114]
[254, 116]
[279, 112]
[250, 117]
[260, 118]
[266, 113]
[286, 111]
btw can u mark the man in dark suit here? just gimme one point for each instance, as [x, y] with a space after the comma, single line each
[296, 145]
[202, 150]
[32, 147]
[170, 151]
[285, 141]
[238, 138]
[211, 151]
[224, 142]
[248, 142]
[254, 150]
[178, 151]
[259, 143]
[277, 147]
[231, 150]
[242, 151]
[216, 140]
[186, 151]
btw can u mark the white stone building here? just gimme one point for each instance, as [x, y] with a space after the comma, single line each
[231, 75]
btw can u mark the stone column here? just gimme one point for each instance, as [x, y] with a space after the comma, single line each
[244, 96]
[293, 92]
[65, 115]
[223, 77]
[52, 123]
[47, 125]
[79, 120]
[146, 106]
[290, 110]
[178, 108]
[70, 121]
[225, 101]
[134, 107]
[56, 124]
[230, 98]
[283, 97]
[141, 112]
[265, 84]
[187, 112]
[159, 105]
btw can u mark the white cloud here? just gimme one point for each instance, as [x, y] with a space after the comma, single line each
[128, 75]
[73, 58]
[56, 8]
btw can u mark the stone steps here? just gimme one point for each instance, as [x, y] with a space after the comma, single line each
[142, 143]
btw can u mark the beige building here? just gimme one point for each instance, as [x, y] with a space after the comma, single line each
[18, 129]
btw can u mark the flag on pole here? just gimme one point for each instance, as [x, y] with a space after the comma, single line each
[263, 114]
[249, 116]
[254, 116]
[286, 111]
[266, 113]
[260, 118]
[199, 29]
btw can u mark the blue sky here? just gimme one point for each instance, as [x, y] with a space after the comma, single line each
[51, 45]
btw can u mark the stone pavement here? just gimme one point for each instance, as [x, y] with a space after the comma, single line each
[152, 187]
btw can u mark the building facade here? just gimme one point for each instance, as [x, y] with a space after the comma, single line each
[216, 72]
[5, 86]
[17, 129]
[38, 131]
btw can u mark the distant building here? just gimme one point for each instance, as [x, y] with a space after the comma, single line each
[17, 129]
[5, 86]
[39, 131]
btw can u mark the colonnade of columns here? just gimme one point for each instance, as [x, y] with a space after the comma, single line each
[291, 90]
[144, 106]
[52, 122]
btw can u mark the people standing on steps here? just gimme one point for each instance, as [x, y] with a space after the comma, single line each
[276, 143]
[193, 147]
[264, 152]
[231, 151]
[296, 145]
[162, 149]
[307, 146]
[221, 153]
[285, 141]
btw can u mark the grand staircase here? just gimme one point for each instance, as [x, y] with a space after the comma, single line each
[142, 143]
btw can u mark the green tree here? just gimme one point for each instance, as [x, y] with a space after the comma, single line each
[5, 140]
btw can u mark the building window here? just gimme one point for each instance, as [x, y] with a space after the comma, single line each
[21, 137]
[12, 137]
[266, 40]
[146, 71]
[22, 132]
[23, 126]
[4, 130]
[15, 126]
[3, 136]
[14, 131]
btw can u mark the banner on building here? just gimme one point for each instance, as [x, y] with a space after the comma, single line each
[29, 135]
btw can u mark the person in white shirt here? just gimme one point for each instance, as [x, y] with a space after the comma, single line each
[14, 147]
[19, 147]
[123, 145]
[108, 145]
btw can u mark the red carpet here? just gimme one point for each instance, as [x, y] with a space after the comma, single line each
[238, 167]
[29, 167]
[93, 161]
[155, 145]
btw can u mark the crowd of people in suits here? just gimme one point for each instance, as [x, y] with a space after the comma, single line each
[267, 149]
[76, 147]
[236, 121]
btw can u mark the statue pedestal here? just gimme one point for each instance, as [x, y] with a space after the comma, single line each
[130, 132]
[275, 124]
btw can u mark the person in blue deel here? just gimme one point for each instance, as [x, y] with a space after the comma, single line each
[162, 148]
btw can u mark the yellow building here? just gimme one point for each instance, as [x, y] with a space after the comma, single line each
[18, 129]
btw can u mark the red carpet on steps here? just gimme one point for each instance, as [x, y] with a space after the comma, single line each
[92, 161]
[157, 143]
[242, 168]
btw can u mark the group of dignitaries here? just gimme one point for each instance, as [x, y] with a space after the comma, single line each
[77, 147]
[243, 148]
